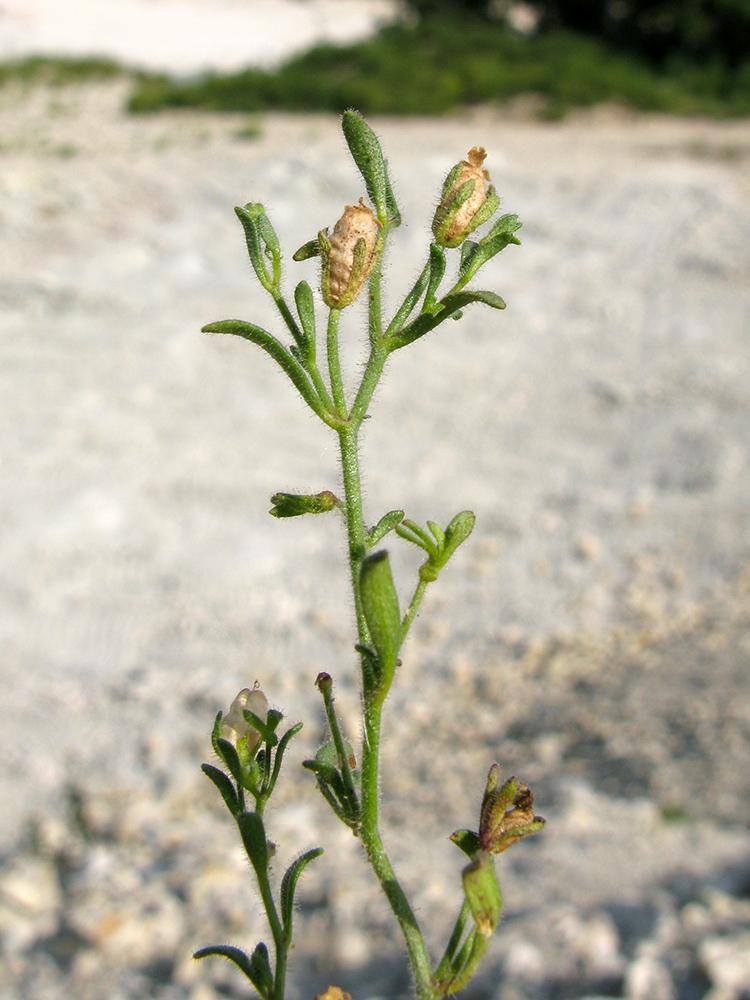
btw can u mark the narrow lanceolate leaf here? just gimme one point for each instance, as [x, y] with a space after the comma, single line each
[261, 969]
[281, 749]
[225, 786]
[240, 959]
[468, 251]
[266, 731]
[496, 240]
[368, 155]
[289, 886]
[437, 270]
[457, 532]
[328, 777]
[409, 304]
[303, 298]
[262, 245]
[228, 753]
[449, 307]
[459, 300]
[253, 835]
[273, 347]
[386, 524]
[380, 606]
[307, 250]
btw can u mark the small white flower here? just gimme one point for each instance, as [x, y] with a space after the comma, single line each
[235, 727]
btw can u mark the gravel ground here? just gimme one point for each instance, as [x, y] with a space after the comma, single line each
[593, 636]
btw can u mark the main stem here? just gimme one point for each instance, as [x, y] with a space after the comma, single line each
[369, 830]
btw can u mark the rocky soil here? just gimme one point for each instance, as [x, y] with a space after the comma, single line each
[593, 636]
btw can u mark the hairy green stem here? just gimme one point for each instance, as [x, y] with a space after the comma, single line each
[412, 610]
[355, 523]
[378, 858]
[369, 829]
[441, 973]
[279, 941]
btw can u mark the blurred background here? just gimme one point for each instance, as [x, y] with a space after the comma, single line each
[593, 636]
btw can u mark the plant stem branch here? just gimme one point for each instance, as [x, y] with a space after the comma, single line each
[411, 611]
[378, 857]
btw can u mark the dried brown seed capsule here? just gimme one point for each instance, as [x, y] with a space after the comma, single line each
[349, 255]
[454, 220]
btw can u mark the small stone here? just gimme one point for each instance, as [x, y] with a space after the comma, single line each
[726, 962]
[31, 886]
[588, 548]
[648, 978]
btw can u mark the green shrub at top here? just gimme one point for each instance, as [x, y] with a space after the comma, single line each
[441, 63]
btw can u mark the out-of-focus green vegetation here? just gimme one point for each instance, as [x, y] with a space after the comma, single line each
[449, 59]
[676, 56]
[58, 71]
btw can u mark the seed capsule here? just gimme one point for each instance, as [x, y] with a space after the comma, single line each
[349, 255]
[460, 212]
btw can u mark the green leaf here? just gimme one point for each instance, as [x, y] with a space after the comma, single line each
[253, 835]
[289, 887]
[450, 308]
[228, 753]
[225, 786]
[382, 614]
[410, 531]
[408, 305]
[497, 239]
[437, 270]
[386, 524]
[261, 969]
[261, 244]
[273, 347]
[438, 534]
[308, 250]
[506, 225]
[303, 298]
[327, 775]
[266, 732]
[242, 962]
[327, 778]
[273, 718]
[457, 532]
[368, 155]
[280, 751]
[468, 252]
[468, 842]
[458, 300]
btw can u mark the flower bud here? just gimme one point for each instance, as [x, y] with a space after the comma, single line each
[234, 725]
[466, 201]
[295, 504]
[349, 255]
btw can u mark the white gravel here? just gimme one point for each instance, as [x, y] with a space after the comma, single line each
[593, 636]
